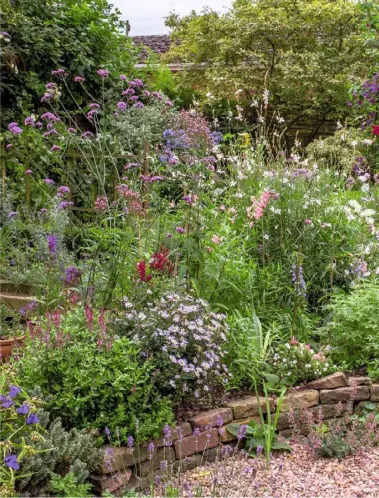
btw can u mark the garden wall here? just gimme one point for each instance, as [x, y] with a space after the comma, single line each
[202, 437]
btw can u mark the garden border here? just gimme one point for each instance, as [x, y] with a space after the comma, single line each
[202, 437]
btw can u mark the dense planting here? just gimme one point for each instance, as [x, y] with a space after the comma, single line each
[173, 263]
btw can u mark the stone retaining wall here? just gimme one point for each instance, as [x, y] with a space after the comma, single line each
[203, 437]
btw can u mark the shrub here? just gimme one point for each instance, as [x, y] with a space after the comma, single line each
[92, 377]
[185, 341]
[297, 362]
[60, 453]
[353, 329]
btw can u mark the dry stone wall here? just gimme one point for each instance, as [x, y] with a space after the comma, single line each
[203, 437]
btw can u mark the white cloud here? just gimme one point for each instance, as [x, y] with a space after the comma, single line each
[146, 17]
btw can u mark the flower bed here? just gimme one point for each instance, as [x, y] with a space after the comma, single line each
[205, 437]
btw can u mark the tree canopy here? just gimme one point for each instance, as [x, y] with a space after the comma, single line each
[305, 52]
[41, 35]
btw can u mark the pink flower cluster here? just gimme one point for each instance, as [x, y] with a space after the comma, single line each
[258, 206]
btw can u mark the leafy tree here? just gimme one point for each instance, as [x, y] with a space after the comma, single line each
[305, 52]
[39, 36]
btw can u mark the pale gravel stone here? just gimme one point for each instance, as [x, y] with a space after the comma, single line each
[296, 475]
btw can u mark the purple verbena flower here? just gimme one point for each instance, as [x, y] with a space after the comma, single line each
[65, 205]
[92, 114]
[60, 73]
[122, 105]
[29, 121]
[79, 79]
[64, 190]
[87, 134]
[49, 116]
[103, 73]
[130, 443]
[48, 181]
[56, 148]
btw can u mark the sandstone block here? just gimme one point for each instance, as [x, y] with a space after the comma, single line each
[300, 399]
[191, 445]
[211, 418]
[337, 379]
[374, 392]
[120, 458]
[248, 406]
[166, 454]
[111, 482]
[359, 381]
[344, 394]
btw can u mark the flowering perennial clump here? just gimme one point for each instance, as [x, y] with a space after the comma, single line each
[186, 342]
[297, 362]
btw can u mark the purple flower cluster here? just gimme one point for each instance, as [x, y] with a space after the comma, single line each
[188, 338]
[298, 281]
[72, 275]
[103, 73]
[52, 245]
[14, 129]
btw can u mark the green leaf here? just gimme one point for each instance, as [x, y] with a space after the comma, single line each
[281, 446]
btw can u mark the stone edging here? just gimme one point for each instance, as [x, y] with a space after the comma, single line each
[202, 438]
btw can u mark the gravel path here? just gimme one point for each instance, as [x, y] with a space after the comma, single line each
[296, 475]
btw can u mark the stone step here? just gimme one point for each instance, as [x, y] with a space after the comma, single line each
[15, 301]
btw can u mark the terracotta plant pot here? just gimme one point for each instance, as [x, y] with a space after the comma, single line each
[6, 347]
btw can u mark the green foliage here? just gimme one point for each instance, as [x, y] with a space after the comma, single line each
[94, 378]
[333, 445]
[261, 436]
[79, 36]
[248, 348]
[72, 453]
[304, 52]
[353, 330]
[68, 486]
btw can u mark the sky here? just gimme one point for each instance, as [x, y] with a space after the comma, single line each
[146, 17]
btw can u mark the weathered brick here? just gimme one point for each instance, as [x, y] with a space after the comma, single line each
[191, 445]
[211, 418]
[337, 379]
[300, 399]
[248, 406]
[343, 394]
[374, 391]
[110, 482]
